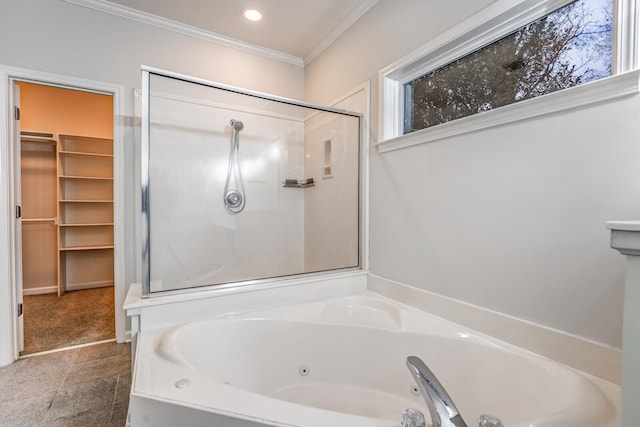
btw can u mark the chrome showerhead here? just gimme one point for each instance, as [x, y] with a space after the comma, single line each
[237, 125]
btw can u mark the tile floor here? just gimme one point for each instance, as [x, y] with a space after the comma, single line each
[86, 386]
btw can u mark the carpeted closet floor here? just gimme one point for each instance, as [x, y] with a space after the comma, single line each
[77, 317]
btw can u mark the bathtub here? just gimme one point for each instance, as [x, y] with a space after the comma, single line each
[341, 362]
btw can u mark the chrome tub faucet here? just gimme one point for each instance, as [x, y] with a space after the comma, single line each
[441, 408]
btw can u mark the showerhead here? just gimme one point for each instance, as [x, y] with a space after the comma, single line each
[237, 125]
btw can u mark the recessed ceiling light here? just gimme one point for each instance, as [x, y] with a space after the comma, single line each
[252, 15]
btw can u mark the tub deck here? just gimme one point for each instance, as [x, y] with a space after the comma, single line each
[340, 361]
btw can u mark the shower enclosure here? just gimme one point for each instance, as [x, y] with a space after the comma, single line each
[240, 187]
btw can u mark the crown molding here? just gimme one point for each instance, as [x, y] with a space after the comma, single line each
[337, 32]
[178, 27]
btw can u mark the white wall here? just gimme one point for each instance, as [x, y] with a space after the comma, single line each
[509, 218]
[62, 38]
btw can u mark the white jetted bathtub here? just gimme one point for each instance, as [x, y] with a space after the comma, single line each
[341, 362]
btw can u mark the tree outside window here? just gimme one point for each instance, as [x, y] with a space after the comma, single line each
[566, 48]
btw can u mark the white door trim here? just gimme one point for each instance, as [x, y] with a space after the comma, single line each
[8, 306]
[16, 158]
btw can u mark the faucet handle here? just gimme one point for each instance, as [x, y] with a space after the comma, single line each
[412, 418]
[489, 421]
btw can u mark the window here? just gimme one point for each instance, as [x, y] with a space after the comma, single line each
[566, 48]
[476, 74]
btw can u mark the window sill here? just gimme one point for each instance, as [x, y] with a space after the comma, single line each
[607, 89]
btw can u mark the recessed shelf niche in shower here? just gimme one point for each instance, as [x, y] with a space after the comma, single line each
[327, 168]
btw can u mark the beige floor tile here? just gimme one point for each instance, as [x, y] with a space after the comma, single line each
[80, 398]
[32, 384]
[110, 367]
[123, 389]
[91, 418]
[7, 373]
[100, 351]
[49, 361]
[27, 411]
[80, 387]
[119, 414]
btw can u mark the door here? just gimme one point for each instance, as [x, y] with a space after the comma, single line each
[16, 147]
[65, 183]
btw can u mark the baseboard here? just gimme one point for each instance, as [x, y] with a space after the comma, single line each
[40, 290]
[69, 287]
[88, 285]
[571, 350]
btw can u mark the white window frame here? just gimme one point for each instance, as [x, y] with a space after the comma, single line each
[490, 24]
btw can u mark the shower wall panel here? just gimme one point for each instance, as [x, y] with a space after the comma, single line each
[195, 241]
[292, 222]
[331, 208]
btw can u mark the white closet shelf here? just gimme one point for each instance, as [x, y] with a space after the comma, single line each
[39, 220]
[86, 201]
[103, 178]
[83, 153]
[98, 224]
[86, 248]
[41, 139]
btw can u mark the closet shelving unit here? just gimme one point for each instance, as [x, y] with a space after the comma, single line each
[67, 212]
[85, 212]
[39, 212]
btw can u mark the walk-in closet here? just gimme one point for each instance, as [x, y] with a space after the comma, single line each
[67, 206]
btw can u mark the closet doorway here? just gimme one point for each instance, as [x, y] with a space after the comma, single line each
[67, 216]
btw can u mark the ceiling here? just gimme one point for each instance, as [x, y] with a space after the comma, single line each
[300, 28]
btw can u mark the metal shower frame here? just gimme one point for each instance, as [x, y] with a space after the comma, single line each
[147, 72]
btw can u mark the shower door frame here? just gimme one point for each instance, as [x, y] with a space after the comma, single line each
[144, 181]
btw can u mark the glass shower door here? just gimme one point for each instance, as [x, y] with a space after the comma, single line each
[241, 187]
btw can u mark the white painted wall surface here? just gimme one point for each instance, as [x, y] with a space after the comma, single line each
[58, 37]
[64, 38]
[509, 218]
